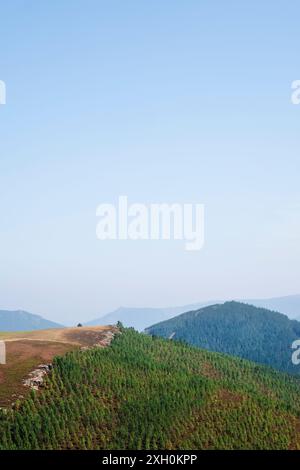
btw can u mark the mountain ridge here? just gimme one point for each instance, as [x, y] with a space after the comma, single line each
[133, 316]
[237, 329]
[21, 320]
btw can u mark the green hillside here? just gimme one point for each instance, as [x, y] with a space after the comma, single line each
[149, 393]
[237, 329]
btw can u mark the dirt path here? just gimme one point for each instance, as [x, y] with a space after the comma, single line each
[13, 340]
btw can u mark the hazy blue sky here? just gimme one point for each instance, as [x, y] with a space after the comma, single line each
[163, 101]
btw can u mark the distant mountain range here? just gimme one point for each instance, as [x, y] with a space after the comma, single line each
[23, 321]
[238, 329]
[141, 318]
[289, 305]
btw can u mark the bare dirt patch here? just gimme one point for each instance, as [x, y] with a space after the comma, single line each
[82, 336]
[25, 351]
[88, 336]
[208, 370]
[21, 357]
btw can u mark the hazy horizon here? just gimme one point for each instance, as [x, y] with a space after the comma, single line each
[177, 103]
[97, 315]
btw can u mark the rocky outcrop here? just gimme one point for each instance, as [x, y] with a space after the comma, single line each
[36, 377]
[106, 339]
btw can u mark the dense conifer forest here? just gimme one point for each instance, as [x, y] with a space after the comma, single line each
[144, 392]
[237, 329]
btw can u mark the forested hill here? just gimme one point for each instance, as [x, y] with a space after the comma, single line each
[144, 392]
[237, 329]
